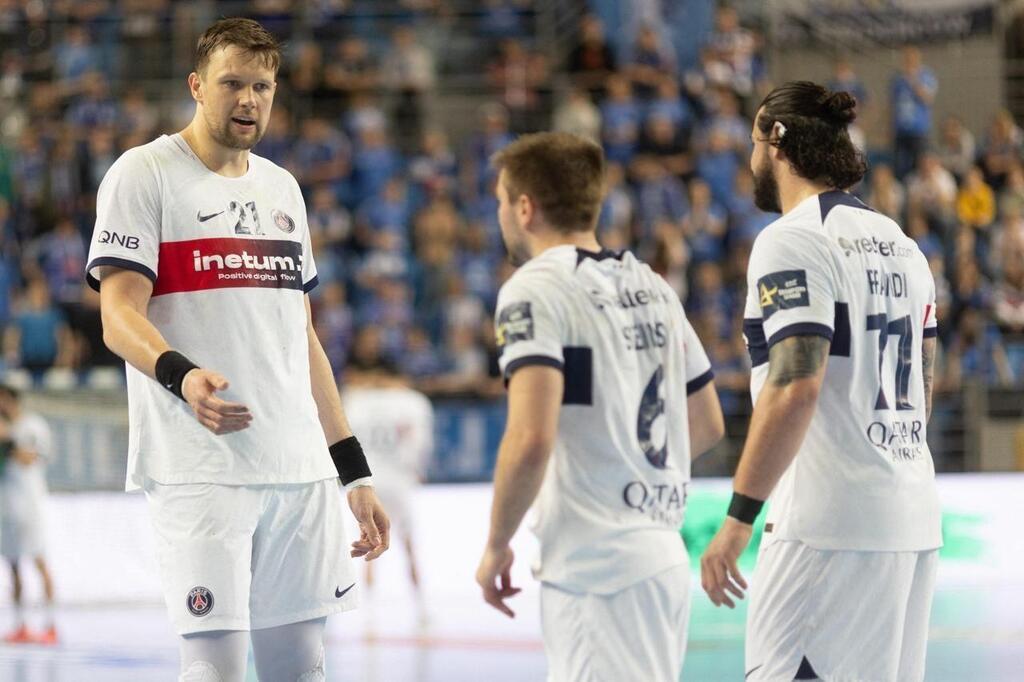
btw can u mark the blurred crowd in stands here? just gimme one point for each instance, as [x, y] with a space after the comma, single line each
[401, 206]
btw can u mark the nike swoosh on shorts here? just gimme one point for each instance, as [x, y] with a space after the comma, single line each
[339, 593]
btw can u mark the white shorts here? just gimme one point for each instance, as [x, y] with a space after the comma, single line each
[847, 616]
[638, 633]
[251, 557]
[21, 532]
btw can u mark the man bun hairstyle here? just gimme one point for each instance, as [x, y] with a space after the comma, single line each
[246, 34]
[562, 173]
[816, 140]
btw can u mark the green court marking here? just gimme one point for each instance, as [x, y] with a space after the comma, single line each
[705, 512]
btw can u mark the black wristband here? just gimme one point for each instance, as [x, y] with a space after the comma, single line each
[744, 509]
[349, 460]
[171, 368]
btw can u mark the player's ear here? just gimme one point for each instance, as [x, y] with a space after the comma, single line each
[195, 86]
[525, 209]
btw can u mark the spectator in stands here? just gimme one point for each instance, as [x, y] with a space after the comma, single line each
[1002, 148]
[578, 115]
[932, 191]
[408, 74]
[322, 154]
[659, 196]
[374, 163]
[521, 79]
[477, 175]
[327, 218]
[977, 353]
[651, 60]
[618, 208]
[420, 359]
[745, 220]
[621, 117]
[332, 318]
[61, 256]
[718, 166]
[976, 204]
[477, 263]
[845, 79]
[704, 225]
[352, 69]
[885, 193]
[913, 92]
[75, 56]
[434, 168]
[956, 149]
[1008, 308]
[1011, 198]
[734, 46]
[591, 60]
[385, 212]
[664, 142]
[37, 337]
[95, 106]
[278, 143]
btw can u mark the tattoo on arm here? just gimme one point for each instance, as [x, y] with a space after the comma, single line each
[928, 369]
[796, 358]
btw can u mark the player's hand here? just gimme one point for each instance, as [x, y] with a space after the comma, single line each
[719, 574]
[374, 526]
[497, 565]
[219, 416]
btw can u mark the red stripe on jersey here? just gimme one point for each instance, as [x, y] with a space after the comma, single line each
[927, 313]
[223, 262]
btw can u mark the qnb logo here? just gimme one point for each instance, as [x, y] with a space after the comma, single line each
[889, 249]
[245, 261]
[127, 241]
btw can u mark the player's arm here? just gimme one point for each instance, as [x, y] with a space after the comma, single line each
[374, 526]
[782, 415]
[796, 369]
[325, 390]
[928, 349]
[534, 401]
[124, 299]
[705, 422]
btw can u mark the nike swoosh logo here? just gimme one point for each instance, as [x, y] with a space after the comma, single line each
[204, 218]
[339, 593]
[751, 671]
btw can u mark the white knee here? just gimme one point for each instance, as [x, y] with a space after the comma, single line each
[201, 671]
[316, 674]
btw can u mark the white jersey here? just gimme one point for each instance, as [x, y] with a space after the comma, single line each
[863, 478]
[24, 485]
[230, 262]
[610, 508]
[395, 426]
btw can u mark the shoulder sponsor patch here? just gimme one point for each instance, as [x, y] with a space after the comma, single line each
[782, 290]
[515, 323]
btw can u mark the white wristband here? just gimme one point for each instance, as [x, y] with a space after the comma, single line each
[364, 482]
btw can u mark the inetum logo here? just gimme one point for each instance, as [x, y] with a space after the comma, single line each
[124, 240]
[217, 263]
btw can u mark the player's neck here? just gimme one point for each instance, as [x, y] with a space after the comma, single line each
[231, 163]
[794, 189]
[586, 240]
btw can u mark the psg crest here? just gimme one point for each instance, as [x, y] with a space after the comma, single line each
[283, 221]
[200, 601]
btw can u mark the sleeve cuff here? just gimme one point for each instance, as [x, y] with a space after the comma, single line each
[527, 360]
[930, 332]
[700, 382]
[114, 261]
[801, 329]
[311, 284]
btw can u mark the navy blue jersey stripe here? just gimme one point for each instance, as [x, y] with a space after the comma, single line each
[829, 200]
[694, 385]
[311, 284]
[579, 375]
[114, 261]
[800, 329]
[757, 346]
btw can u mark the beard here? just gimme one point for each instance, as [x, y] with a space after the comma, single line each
[766, 189]
[225, 137]
[517, 251]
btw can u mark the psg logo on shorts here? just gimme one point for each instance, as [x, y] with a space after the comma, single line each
[283, 221]
[200, 601]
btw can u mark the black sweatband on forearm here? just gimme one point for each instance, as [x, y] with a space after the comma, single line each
[744, 509]
[349, 460]
[171, 368]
